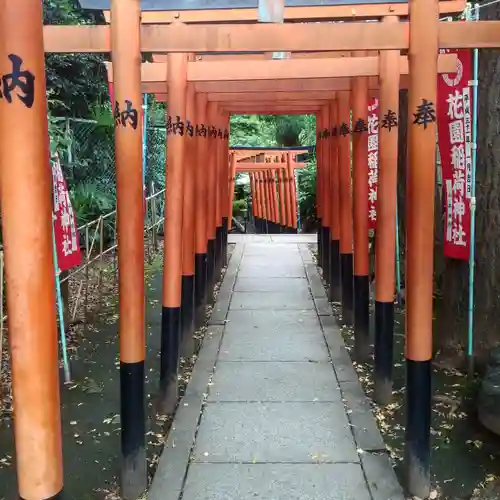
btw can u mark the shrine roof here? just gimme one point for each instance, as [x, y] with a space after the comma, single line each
[165, 5]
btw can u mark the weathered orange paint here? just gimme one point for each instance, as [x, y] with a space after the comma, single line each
[25, 193]
[359, 100]
[201, 180]
[172, 261]
[334, 176]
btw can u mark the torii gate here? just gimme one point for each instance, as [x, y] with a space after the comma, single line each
[26, 208]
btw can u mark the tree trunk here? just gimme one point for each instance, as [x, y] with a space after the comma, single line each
[452, 316]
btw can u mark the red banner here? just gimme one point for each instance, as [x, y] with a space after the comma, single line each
[372, 162]
[454, 120]
[65, 230]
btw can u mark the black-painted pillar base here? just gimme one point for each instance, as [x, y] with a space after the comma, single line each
[361, 318]
[134, 473]
[325, 253]
[292, 230]
[346, 274]
[218, 253]
[266, 227]
[200, 288]
[320, 243]
[169, 361]
[335, 286]
[225, 232]
[418, 425]
[256, 223]
[210, 271]
[187, 346]
[282, 229]
[384, 328]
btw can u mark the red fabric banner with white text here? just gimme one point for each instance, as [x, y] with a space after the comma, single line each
[372, 162]
[65, 231]
[454, 120]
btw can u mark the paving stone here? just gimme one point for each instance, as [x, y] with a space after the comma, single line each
[270, 271]
[381, 478]
[366, 432]
[274, 432]
[270, 284]
[275, 482]
[268, 381]
[272, 322]
[265, 345]
[301, 300]
[272, 259]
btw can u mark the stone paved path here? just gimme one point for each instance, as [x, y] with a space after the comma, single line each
[274, 409]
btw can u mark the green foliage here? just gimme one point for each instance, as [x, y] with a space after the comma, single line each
[306, 184]
[240, 206]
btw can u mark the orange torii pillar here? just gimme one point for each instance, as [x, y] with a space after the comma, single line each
[255, 200]
[227, 207]
[220, 208]
[344, 157]
[319, 187]
[274, 223]
[201, 221]
[265, 204]
[359, 98]
[126, 57]
[293, 194]
[232, 179]
[335, 290]
[385, 242]
[281, 189]
[324, 159]
[27, 238]
[172, 263]
[187, 346]
[211, 162]
[288, 196]
[420, 185]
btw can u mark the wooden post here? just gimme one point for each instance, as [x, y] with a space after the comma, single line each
[27, 238]
[172, 263]
[232, 179]
[335, 290]
[288, 197]
[325, 192]
[319, 186]
[200, 258]
[211, 198]
[188, 227]
[423, 52]
[346, 258]
[126, 56]
[293, 193]
[385, 242]
[220, 167]
[227, 209]
[361, 281]
[265, 202]
[281, 188]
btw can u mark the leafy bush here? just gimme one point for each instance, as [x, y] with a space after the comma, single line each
[239, 206]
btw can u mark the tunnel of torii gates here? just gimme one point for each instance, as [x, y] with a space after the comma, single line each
[205, 79]
[272, 185]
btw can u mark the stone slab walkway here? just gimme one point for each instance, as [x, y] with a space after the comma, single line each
[274, 409]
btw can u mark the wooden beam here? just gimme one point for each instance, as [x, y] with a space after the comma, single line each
[278, 86]
[270, 96]
[246, 167]
[294, 14]
[204, 71]
[309, 37]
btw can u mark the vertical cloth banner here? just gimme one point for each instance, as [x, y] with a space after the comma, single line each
[454, 120]
[372, 162]
[65, 231]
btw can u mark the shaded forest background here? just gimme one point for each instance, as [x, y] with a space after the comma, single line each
[81, 131]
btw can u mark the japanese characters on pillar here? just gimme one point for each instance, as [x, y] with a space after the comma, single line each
[454, 122]
[372, 162]
[65, 231]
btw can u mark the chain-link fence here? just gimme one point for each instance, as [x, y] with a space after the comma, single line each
[88, 158]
